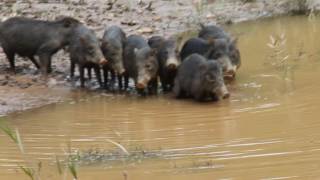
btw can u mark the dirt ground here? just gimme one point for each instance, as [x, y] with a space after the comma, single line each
[26, 89]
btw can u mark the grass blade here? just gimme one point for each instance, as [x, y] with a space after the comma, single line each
[19, 141]
[73, 169]
[59, 166]
[7, 130]
[28, 171]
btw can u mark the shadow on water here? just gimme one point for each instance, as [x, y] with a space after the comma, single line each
[267, 130]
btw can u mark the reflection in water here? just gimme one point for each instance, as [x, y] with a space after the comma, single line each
[268, 129]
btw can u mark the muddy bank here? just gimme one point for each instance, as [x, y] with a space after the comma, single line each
[26, 90]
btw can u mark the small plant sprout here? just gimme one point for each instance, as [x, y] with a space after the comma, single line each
[278, 57]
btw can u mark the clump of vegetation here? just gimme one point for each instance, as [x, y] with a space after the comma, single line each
[102, 156]
[278, 57]
[281, 60]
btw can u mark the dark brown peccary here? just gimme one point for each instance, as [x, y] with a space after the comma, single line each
[112, 46]
[168, 59]
[216, 32]
[85, 52]
[29, 38]
[200, 79]
[141, 65]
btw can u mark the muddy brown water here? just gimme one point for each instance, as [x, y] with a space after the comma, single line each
[268, 129]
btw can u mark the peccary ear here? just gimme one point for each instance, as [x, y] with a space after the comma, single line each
[68, 22]
[211, 41]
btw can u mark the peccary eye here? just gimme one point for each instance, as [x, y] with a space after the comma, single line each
[210, 79]
[148, 66]
[216, 55]
[91, 51]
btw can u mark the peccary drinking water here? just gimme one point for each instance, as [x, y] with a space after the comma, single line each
[168, 59]
[86, 53]
[201, 79]
[112, 46]
[29, 38]
[217, 49]
[216, 32]
[141, 64]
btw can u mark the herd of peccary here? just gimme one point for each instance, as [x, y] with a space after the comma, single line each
[198, 70]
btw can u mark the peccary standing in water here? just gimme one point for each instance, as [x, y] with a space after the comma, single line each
[112, 46]
[200, 79]
[216, 32]
[86, 53]
[168, 59]
[141, 64]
